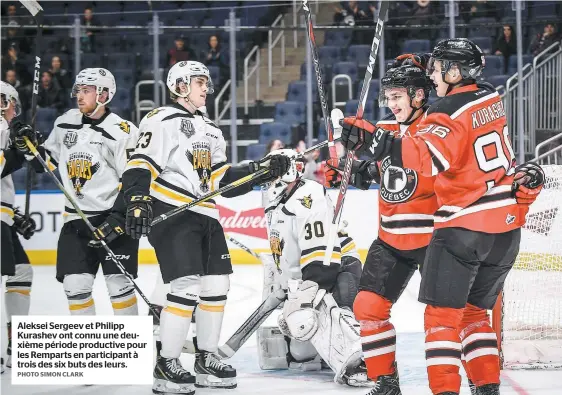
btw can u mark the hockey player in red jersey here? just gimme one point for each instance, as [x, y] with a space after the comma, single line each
[406, 206]
[463, 140]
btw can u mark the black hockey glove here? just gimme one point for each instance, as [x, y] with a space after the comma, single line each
[108, 231]
[23, 225]
[139, 216]
[361, 135]
[18, 132]
[277, 165]
[363, 172]
[527, 183]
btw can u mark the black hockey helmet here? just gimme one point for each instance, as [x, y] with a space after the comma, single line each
[461, 52]
[407, 76]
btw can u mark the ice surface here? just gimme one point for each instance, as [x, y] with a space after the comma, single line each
[48, 299]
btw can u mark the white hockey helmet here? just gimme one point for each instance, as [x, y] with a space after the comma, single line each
[99, 77]
[182, 72]
[294, 172]
[9, 97]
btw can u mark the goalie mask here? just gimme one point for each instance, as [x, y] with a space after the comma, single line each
[100, 78]
[295, 171]
[10, 97]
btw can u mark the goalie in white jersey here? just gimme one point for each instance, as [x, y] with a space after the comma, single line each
[15, 263]
[317, 319]
[90, 145]
[180, 156]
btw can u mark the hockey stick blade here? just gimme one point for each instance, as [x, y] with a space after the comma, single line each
[32, 6]
[252, 324]
[360, 111]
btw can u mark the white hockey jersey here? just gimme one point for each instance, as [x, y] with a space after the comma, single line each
[91, 156]
[299, 227]
[186, 154]
[7, 190]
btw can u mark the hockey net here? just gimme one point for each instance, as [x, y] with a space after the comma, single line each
[528, 316]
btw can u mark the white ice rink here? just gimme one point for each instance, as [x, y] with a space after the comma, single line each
[245, 294]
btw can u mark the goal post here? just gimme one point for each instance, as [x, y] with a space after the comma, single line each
[528, 315]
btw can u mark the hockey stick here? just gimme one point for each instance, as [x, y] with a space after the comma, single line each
[244, 247]
[319, 79]
[37, 12]
[87, 221]
[333, 232]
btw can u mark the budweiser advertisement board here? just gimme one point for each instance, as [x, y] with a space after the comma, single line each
[242, 217]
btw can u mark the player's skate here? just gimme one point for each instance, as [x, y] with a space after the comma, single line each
[171, 378]
[387, 385]
[357, 376]
[211, 372]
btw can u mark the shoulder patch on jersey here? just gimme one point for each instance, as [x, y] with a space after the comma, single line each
[124, 126]
[153, 112]
[450, 104]
[306, 201]
[187, 127]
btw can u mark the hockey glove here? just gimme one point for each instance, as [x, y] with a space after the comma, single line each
[527, 183]
[18, 132]
[363, 172]
[360, 135]
[139, 216]
[108, 231]
[277, 165]
[25, 226]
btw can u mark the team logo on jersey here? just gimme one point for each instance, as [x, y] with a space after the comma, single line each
[397, 184]
[187, 128]
[306, 201]
[80, 170]
[153, 112]
[200, 159]
[124, 126]
[276, 244]
[70, 139]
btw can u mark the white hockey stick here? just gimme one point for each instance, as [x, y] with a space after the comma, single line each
[244, 247]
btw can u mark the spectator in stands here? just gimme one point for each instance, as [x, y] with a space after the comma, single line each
[15, 38]
[350, 14]
[179, 53]
[542, 41]
[50, 93]
[423, 12]
[482, 9]
[60, 75]
[213, 57]
[13, 61]
[506, 44]
[24, 91]
[274, 145]
[87, 40]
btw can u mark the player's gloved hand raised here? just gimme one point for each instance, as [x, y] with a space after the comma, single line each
[363, 172]
[108, 231]
[139, 216]
[360, 135]
[527, 183]
[19, 131]
[277, 165]
[24, 226]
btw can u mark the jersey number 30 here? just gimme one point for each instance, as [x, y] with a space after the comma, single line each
[315, 229]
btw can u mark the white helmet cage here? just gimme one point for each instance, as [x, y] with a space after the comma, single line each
[9, 97]
[182, 72]
[294, 172]
[101, 78]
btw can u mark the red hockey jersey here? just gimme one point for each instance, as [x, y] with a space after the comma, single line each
[464, 141]
[407, 200]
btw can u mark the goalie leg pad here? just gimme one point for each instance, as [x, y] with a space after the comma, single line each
[272, 348]
[337, 339]
[78, 290]
[299, 311]
[122, 294]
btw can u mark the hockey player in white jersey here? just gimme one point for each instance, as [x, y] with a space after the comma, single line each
[180, 156]
[317, 312]
[90, 145]
[15, 263]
